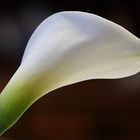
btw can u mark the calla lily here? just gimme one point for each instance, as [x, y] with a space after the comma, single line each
[66, 48]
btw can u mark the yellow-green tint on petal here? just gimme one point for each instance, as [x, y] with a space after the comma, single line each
[19, 94]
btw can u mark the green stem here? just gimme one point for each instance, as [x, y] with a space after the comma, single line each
[15, 99]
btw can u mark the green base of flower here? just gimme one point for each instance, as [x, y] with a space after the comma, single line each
[14, 101]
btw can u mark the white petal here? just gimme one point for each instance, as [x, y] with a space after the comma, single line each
[70, 47]
[66, 48]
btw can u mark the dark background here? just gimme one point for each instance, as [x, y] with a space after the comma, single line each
[91, 110]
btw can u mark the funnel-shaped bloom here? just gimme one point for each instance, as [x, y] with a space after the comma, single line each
[66, 48]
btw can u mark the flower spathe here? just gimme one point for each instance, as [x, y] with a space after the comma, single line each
[66, 48]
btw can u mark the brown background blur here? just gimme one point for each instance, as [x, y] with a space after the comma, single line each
[91, 110]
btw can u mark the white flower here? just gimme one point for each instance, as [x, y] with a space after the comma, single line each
[66, 48]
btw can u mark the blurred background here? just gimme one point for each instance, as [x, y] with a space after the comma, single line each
[91, 110]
